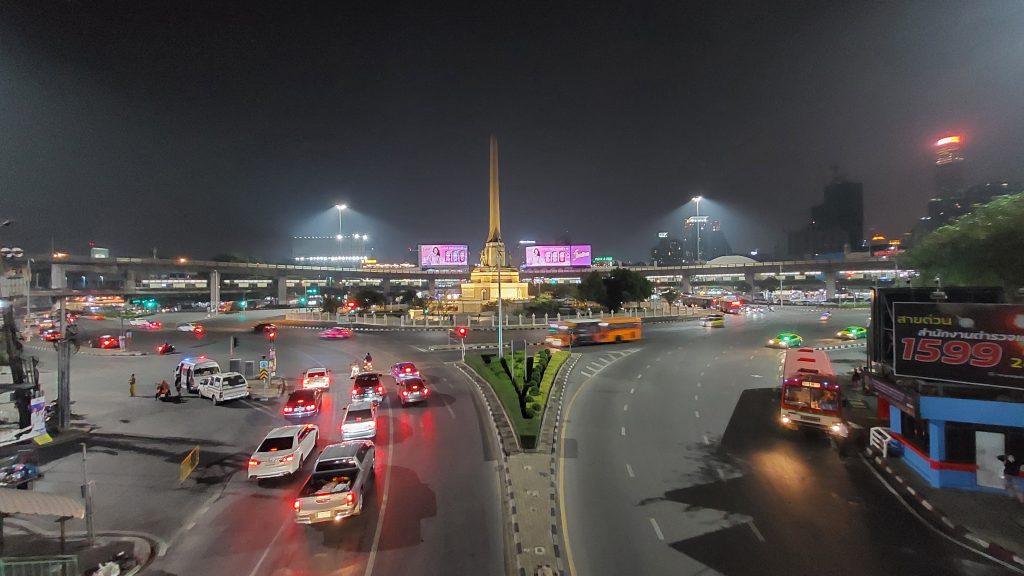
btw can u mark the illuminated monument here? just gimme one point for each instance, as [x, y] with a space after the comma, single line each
[492, 276]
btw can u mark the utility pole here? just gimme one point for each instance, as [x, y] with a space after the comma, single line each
[90, 528]
[501, 263]
[22, 391]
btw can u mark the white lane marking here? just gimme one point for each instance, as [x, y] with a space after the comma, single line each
[631, 390]
[658, 359]
[450, 411]
[587, 374]
[647, 367]
[756, 376]
[695, 398]
[383, 502]
[623, 430]
[191, 520]
[629, 470]
[698, 384]
[639, 376]
[670, 352]
[657, 530]
[751, 356]
[753, 528]
[625, 407]
[702, 374]
[266, 551]
[706, 439]
[708, 366]
[721, 473]
[696, 413]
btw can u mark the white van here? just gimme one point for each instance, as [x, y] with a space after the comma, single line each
[189, 371]
[223, 387]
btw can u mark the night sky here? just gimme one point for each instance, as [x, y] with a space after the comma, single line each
[207, 127]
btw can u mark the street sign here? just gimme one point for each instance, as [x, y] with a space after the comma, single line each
[264, 364]
[263, 374]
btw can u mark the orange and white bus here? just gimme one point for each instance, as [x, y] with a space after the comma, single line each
[810, 392]
[593, 331]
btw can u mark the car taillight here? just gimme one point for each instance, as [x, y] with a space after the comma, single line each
[297, 505]
[350, 498]
[287, 408]
[310, 408]
[288, 458]
[355, 391]
[426, 391]
[404, 393]
[408, 370]
[254, 462]
[380, 388]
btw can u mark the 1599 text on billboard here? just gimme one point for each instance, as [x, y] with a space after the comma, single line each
[966, 343]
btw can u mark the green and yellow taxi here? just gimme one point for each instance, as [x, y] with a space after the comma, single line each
[786, 340]
[713, 321]
[852, 333]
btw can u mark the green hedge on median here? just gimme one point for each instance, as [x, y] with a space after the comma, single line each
[546, 365]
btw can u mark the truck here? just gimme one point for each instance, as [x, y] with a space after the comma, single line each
[337, 487]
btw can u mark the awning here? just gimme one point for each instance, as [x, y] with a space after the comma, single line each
[14, 501]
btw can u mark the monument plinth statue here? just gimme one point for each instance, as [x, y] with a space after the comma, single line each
[484, 280]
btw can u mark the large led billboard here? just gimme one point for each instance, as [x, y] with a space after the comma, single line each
[434, 255]
[558, 256]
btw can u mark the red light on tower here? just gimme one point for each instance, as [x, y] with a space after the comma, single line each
[949, 140]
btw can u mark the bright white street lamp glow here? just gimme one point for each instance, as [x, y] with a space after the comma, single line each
[337, 236]
[341, 206]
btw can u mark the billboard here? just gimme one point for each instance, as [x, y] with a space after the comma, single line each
[965, 343]
[434, 255]
[558, 256]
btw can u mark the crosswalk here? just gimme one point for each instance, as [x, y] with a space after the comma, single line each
[598, 364]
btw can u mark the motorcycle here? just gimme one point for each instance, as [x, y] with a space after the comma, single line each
[825, 316]
[166, 348]
[367, 366]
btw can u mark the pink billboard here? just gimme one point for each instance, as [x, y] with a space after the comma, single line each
[434, 255]
[558, 256]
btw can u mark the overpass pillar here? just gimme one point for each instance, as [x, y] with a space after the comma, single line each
[58, 277]
[749, 278]
[685, 285]
[130, 282]
[282, 290]
[214, 291]
[830, 284]
[385, 285]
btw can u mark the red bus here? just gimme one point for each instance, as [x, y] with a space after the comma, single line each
[810, 392]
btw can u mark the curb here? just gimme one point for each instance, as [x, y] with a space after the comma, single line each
[841, 346]
[86, 352]
[939, 519]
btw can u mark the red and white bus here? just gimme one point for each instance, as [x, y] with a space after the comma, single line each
[810, 392]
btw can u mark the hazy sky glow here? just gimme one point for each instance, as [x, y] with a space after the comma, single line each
[200, 127]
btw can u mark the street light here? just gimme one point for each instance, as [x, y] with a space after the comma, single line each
[697, 199]
[340, 208]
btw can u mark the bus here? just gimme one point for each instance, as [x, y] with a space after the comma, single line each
[568, 333]
[810, 392]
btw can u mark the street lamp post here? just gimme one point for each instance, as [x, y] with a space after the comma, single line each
[697, 199]
[340, 208]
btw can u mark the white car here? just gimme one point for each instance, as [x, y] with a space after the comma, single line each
[187, 327]
[359, 420]
[283, 451]
[316, 378]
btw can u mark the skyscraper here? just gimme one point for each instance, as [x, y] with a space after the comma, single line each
[949, 166]
[713, 242]
[837, 224]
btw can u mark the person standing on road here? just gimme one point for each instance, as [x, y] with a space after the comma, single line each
[855, 380]
[1011, 476]
[131, 386]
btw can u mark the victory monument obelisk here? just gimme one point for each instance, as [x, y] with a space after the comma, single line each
[492, 277]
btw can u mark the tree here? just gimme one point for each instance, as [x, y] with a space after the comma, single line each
[624, 285]
[592, 288]
[984, 247]
[331, 304]
[367, 297]
[559, 290]
[670, 296]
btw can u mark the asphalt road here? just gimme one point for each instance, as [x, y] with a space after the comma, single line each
[436, 499]
[673, 463]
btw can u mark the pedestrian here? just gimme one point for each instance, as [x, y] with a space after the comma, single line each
[1011, 476]
[177, 386]
[131, 386]
[856, 380]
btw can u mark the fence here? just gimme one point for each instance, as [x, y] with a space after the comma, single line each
[490, 320]
[40, 566]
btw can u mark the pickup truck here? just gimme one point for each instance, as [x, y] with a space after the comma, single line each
[337, 487]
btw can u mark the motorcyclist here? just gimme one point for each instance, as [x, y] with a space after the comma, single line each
[368, 360]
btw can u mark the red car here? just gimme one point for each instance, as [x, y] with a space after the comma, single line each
[106, 342]
[153, 325]
[51, 335]
[336, 333]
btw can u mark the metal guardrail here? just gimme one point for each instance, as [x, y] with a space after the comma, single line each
[880, 439]
[40, 566]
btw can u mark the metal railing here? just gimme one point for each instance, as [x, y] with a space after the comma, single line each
[40, 566]
[489, 320]
[880, 439]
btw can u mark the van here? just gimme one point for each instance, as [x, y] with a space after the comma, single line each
[189, 371]
[223, 387]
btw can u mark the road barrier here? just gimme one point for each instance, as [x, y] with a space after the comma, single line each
[190, 463]
[880, 439]
[39, 566]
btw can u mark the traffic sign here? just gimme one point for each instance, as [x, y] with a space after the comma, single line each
[264, 364]
[264, 374]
